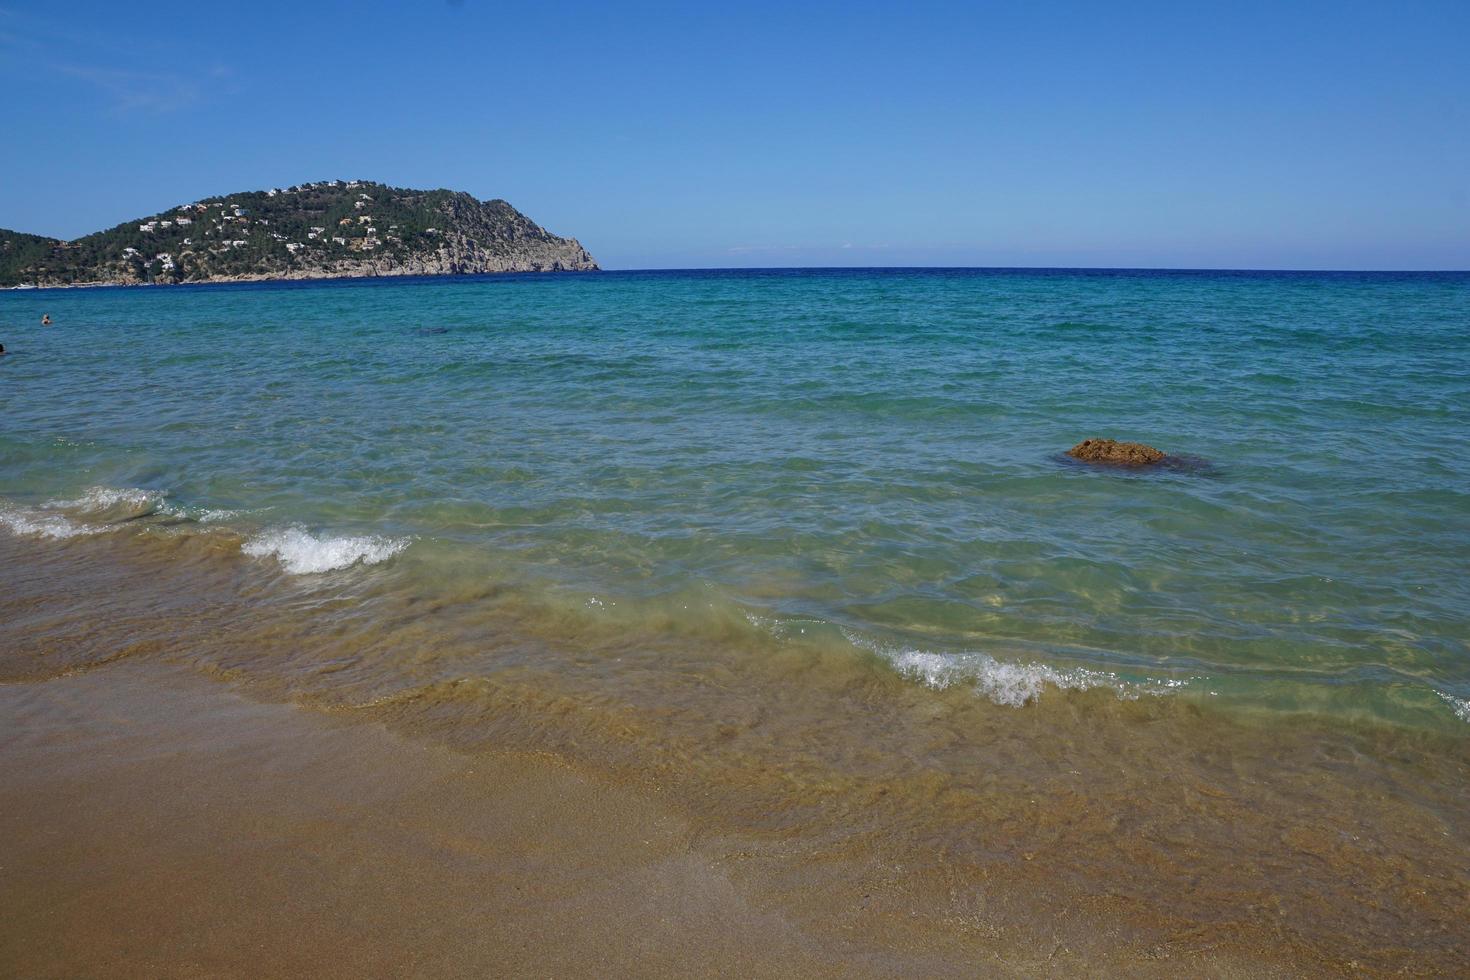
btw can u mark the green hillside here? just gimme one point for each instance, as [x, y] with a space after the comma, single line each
[327, 228]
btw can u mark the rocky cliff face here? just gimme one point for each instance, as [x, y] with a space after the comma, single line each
[331, 229]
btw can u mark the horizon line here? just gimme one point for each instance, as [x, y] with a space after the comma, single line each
[1020, 268]
[461, 277]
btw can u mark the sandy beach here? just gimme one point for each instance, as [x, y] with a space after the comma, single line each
[161, 825]
[170, 820]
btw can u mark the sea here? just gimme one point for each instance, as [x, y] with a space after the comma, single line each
[780, 537]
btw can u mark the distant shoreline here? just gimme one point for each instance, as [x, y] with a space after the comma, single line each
[252, 280]
[1081, 271]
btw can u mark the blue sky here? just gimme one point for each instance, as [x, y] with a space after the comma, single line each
[1244, 135]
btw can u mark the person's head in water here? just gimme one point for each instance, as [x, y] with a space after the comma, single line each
[45, 319]
[2, 348]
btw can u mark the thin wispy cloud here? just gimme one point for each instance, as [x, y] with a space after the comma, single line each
[747, 249]
[760, 249]
[107, 66]
[135, 91]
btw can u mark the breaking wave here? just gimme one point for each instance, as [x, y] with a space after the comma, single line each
[89, 513]
[1460, 706]
[1007, 683]
[101, 509]
[33, 523]
[100, 499]
[302, 553]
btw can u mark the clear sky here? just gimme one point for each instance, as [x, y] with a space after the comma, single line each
[1173, 134]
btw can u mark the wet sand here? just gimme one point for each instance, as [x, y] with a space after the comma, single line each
[160, 825]
[180, 803]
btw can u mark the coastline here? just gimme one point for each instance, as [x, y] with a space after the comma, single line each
[782, 562]
[303, 276]
[1081, 834]
[165, 825]
[998, 505]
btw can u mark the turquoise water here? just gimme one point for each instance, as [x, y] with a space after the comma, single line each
[868, 458]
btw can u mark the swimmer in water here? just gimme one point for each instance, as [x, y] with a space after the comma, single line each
[2, 350]
[45, 319]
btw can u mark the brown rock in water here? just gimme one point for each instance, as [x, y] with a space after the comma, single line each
[1115, 452]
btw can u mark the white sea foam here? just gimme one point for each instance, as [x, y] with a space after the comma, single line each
[138, 503]
[302, 553]
[213, 515]
[1008, 683]
[69, 518]
[201, 515]
[1460, 706]
[35, 523]
[106, 498]
[1014, 684]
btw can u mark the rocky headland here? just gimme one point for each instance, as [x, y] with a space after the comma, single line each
[324, 230]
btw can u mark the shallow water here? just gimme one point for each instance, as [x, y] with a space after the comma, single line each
[865, 459]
